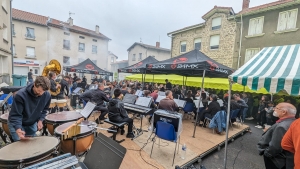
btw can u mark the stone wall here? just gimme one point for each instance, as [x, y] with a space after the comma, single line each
[227, 32]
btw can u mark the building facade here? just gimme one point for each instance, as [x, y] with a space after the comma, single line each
[139, 51]
[272, 24]
[119, 65]
[112, 58]
[39, 39]
[216, 37]
[5, 42]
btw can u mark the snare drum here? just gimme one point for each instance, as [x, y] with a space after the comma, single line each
[53, 103]
[4, 119]
[55, 119]
[78, 144]
[61, 103]
[27, 152]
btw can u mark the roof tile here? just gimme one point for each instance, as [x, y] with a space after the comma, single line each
[264, 6]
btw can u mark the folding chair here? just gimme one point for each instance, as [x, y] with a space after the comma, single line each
[189, 107]
[166, 131]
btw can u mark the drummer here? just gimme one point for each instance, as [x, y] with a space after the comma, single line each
[29, 109]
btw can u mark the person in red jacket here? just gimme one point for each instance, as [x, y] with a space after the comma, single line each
[291, 142]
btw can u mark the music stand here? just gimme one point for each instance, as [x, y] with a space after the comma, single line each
[78, 89]
[139, 93]
[93, 86]
[87, 110]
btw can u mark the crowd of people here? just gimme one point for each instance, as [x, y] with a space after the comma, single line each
[279, 144]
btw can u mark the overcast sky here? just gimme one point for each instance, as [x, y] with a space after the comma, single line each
[126, 21]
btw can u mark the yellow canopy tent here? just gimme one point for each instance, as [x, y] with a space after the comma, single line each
[213, 83]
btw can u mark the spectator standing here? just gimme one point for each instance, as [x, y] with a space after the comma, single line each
[30, 78]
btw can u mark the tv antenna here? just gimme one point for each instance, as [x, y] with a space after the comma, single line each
[70, 13]
[141, 40]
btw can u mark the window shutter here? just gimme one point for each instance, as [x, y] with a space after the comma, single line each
[282, 21]
[291, 19]
[214, 40]
[216, 22]
[259, 25]
[251, 27]
[30, 52]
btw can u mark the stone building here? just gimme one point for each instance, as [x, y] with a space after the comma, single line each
[273, 24]
[139, 51]
[216, 37]
[5, 42]
[39, 39]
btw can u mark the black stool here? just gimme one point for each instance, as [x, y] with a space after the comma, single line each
[117, 126]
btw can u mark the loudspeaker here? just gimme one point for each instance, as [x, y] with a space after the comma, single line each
[105, 153]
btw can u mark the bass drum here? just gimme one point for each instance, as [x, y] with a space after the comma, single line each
[55, 119]
[79, 143]
[24, 153]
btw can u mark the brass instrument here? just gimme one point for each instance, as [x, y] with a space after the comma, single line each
[54, 66]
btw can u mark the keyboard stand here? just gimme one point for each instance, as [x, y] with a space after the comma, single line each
[139, 131]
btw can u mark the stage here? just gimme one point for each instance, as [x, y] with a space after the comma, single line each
[204, 143]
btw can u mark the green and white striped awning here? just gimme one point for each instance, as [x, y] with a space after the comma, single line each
[273, 68]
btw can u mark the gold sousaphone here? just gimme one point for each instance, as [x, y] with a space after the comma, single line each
[54, 66]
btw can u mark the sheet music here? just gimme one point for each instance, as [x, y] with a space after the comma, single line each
[89, 107]
[93, 86]
[139, 93]
[159, 98]
[77, 90]
[180, 103]
[161, 93]
[129, 98]
[143, 101]
[197, 103]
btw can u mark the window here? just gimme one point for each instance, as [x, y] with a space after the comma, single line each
[36, 71]
[197, 44]
[13, 30]
[67, 33]
[4, 4]
[30, 52]
[94, 49]
[94, 61]
[287, 20]
[66, 60]
[216, 23]
[81, 37]
[66, 44]
[5, 33]
[214, 42]
[250, 53]
[81, 47]
[95, 40]
[256, 26]
[14, 50]
[30, 33]
[133, 57]
[80, 60]
[182, 47]
[140, 56]
[112, 59]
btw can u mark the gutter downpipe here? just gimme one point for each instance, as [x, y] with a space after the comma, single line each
[11, 40]
[238, 65]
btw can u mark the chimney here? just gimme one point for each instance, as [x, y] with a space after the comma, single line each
[158, 44]
[246, 4]
[70, 21]
[97, 29]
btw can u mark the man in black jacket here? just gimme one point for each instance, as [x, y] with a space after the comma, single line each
[117, 113]
[270, 144]
[98, 97]
[29, 109]
[64, 90]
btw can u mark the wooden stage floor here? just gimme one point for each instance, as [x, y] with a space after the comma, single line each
[204, 143]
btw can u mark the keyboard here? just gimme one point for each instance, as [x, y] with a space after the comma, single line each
[138, 109]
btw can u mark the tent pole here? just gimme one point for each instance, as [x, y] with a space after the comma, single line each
[271, 96]
[182, 80]
[200, 100]
[152, 79]
[227, 122]
[244, 89]
[185, 81]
